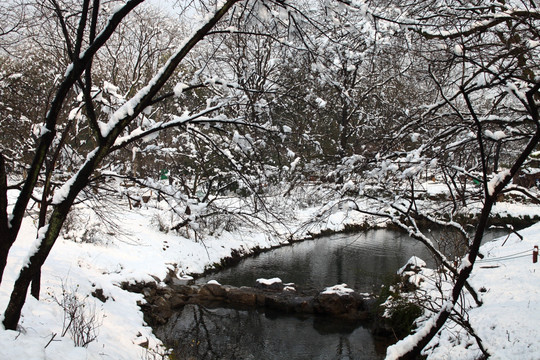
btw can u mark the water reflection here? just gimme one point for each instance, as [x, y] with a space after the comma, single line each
[202, 333]
[363, 261]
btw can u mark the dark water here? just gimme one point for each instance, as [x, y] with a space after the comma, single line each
[202, 333]
[364, 261]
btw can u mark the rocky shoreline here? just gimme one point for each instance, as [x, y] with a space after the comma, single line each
[161, 302]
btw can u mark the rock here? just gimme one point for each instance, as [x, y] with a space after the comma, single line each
[177, 301]
[98, 294]
[138, 287]
[161, 311]
[290, 287]
[337, 301]
[161, 303]
[184, 289]
[280, 303]
[289, 303]
[149, 292]
[261, 298]
[243, 297]
[306, 306]
[269, 284]
[212, 291]
[335, 304]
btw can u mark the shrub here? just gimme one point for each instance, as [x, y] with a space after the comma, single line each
[80, 320]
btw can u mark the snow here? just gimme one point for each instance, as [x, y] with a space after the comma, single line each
[33, 248]
[320, 102]
[340, 290]
[179, 89]
[268, 282]
[496, 180]
[61, 193]
[294, 164]
[458, 50]
[407, 344]
[497, 135]
[415, 262]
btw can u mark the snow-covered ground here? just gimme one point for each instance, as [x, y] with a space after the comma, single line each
[139, 252]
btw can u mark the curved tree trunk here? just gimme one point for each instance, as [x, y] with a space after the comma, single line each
[61, 209]
[9, 232]
[421, 339]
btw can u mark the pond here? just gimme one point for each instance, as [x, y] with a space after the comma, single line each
[364, 261]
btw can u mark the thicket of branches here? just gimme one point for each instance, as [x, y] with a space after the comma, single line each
[369, 98]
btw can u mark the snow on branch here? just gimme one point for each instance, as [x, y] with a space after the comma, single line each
[496, 180]
[406, 345]
[480, 26]
[177, 121]
[144, 96]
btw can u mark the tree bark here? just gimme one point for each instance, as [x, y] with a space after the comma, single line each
[20, 289]
[4, 225]
[36, 280]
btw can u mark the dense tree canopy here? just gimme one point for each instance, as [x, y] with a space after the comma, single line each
[368, 98]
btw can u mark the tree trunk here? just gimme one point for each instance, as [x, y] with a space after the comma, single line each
[461, 280]
[9, 234]
[4, 250]
[490, 198]
[4, 226]
[27, 273]
[36, 284]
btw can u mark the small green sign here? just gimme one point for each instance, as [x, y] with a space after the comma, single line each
[163, 174]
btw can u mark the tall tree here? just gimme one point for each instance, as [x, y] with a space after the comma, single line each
[87, 40]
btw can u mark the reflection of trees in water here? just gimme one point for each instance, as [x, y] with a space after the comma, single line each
[202, 333]
[344, 348]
